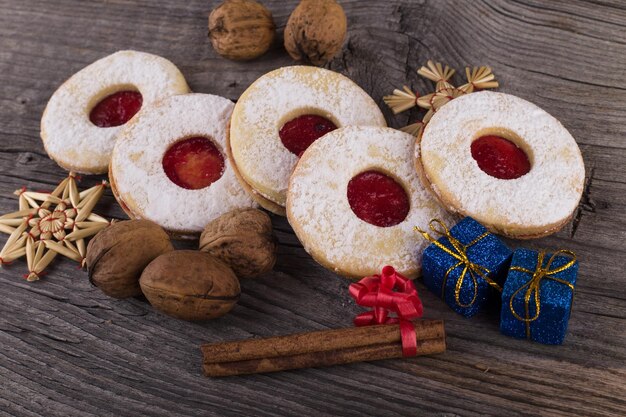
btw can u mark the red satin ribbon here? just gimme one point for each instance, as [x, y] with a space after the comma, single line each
[389, 292]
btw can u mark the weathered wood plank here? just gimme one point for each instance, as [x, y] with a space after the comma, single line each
[66, 349]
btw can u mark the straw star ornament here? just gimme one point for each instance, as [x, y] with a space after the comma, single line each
[478, 78]
[51, 224]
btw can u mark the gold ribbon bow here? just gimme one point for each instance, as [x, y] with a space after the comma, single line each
[532, 286]
[459, 252]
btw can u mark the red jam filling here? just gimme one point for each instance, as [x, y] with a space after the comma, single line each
[377, 199]
[116, 109]
[299, 133]
[193, 163]
[500, 157]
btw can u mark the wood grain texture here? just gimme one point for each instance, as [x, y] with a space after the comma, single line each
[68, 350]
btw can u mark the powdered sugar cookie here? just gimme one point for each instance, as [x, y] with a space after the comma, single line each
[282, 113]
[84, 115]
[169, 165]
[354, 199]
[503, 161]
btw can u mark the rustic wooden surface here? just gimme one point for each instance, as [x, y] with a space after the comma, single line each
[66, 349]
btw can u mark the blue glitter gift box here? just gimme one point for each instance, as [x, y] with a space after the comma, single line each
[465, 266]
[537, 295]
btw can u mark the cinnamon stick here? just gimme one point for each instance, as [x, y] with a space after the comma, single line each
[319, 348]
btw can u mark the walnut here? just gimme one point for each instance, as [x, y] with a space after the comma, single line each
[190, 285]
[315, 31]
[242, 239]
[118, 254]
[241, 29]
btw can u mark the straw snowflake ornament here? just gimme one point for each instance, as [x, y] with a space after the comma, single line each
[51, 224]
[478, 78]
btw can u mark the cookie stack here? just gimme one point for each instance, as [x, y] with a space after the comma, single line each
[280, 115]
[310, 144]
[131, 114]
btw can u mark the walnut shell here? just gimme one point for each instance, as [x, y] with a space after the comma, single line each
[118, 254]
[242, 239]
[190, 285]
[316, 31]
[241, 29]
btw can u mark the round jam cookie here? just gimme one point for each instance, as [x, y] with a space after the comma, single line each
[86, 113]
[354, 199]
[282, 113]
[170, 165]
[503, 161]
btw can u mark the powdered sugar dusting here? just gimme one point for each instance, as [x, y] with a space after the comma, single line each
[546, 195]
[279, 96]
[69, 136]
[319, 211]
[137, 170]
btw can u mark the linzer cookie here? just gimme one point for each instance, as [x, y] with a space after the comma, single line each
[281, 114]
[504, 162]
[169, 165]
[84, 115]
[354, 200]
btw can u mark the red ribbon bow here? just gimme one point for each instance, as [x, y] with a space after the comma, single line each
[389, 292]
